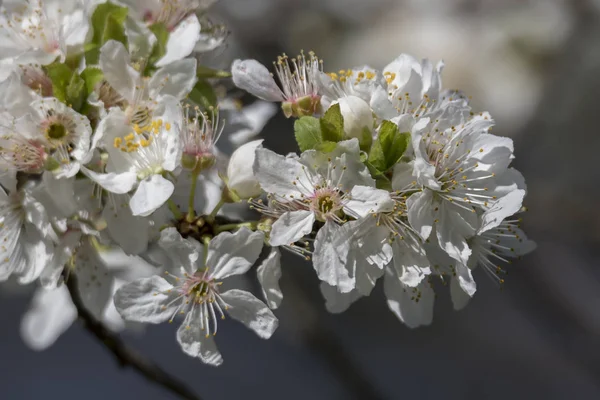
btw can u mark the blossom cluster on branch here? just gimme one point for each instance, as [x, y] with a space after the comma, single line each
[109, 127]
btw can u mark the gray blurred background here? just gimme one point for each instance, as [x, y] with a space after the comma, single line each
[535, 65]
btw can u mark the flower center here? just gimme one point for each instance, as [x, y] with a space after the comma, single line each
[56, 131]
[299, 79]
[24, 155]
[327, 203]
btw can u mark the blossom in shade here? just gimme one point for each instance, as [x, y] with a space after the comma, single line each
[299, 79]
[195, 291]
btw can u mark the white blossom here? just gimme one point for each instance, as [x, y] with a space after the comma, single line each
[25, 241]
[195, 291]
[299, 78]
[41, 31]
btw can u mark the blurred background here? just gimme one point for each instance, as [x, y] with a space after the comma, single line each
[535, 66]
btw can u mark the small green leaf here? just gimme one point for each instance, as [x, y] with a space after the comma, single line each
[108, 24]
[76, 92]
[381, 180]
[203, 95]
[366, 139]
[326, 147]
[60, 75]
[91, 76]
[207, 73]
[308, 133]
[160, 47]
[332, 124]
[389, 146]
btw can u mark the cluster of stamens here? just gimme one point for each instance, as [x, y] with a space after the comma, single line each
[452, 169]
[495, 244]
[31, 26]
[274, 209]
[141, 137]
[198, 293]
[24, 155]
[299, 79]
[36, 79]
[171, 12]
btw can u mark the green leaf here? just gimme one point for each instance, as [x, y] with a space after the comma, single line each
[308, 133]
[203, 95]
[207, 73]
[76, 92]
[366, 139]
[108, 23]
[160, 47]
[326, 147]
[91, 76]
[389, 146]
[332, 124]
[60, 75]
[381, 180]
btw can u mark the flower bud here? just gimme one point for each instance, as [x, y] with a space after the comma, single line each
[241, 180]
[357, 116]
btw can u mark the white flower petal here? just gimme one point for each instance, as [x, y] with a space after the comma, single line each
[268, 274]
[176, 79]
[151, 194]
[184, 253]
[253, 118]
[195, 342]
[15, 97]
[337, 302]
[181, 40]
[256, 79]
[330, 257]
[465, 279]
[412, 265]
[366, 200]
[38, 251]
[51, 313]
[460, 298]
[64, 250]
[420, 212]
[250, 311]
[413, 306]
[277, 174]
[128, 231]
[291, 227]
[241, 179]
[114, 62]
[233, 253]
[113, 182]
[502, 208]
[148, 300]
[454, 227]
[403, 177]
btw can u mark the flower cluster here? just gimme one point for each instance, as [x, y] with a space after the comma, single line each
[108, 135]
[397, 178]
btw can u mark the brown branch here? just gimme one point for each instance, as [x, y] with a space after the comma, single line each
[126, 357]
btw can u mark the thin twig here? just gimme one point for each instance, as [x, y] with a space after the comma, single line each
[126, 357]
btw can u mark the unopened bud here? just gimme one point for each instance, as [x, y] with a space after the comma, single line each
[240, 176]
